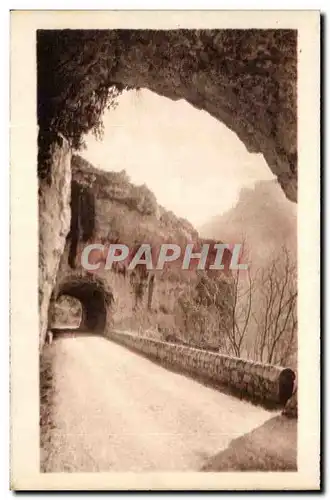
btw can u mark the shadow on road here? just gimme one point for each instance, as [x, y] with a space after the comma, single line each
[71, 332]
[270, 447]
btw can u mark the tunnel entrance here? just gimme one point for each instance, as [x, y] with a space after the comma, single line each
[94, 299]
[67, 313]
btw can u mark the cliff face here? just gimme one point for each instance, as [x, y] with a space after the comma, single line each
[54, 223]
[126, 211]
[107, 208]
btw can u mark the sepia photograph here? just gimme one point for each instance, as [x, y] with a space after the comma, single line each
[168, 318]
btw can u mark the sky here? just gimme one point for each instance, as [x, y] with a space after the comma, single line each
[193, 163]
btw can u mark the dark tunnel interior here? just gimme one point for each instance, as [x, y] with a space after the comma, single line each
[94, 302]
[286, 385]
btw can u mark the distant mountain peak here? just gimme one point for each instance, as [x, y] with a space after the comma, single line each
[263, 217]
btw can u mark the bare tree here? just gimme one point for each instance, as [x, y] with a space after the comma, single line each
[263, 308]
[242, 293]
[251, 313]
[276, 318]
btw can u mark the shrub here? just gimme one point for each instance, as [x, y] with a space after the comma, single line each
[75, 82]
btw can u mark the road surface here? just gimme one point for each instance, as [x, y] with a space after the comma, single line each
[114, 410]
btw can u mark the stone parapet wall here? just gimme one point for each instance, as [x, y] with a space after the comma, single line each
[271, 385]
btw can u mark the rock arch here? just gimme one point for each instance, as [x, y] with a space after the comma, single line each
[247, 79]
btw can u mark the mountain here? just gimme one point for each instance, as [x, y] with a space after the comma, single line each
[263, 218]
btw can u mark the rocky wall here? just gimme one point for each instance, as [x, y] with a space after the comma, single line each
[54, 222]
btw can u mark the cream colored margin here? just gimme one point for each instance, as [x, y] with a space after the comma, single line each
[24, 249]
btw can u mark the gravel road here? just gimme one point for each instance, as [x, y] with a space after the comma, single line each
[114, 410]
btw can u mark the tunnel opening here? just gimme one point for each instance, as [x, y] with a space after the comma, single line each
[94, 299]
[286, 385]
[67, 313]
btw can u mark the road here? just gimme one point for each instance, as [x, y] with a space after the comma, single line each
[114, 410]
